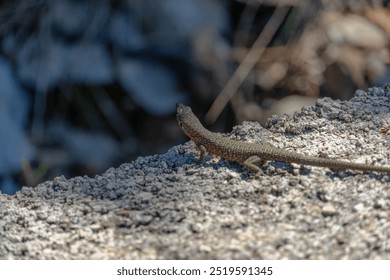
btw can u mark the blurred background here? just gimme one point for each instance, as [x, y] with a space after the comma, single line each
[86, 85]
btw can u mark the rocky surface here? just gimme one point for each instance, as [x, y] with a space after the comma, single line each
[171, 207]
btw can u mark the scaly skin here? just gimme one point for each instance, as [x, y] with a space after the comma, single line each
[251, 154]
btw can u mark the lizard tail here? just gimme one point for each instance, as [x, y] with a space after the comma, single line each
[338, 164]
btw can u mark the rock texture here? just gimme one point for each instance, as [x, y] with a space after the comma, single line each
[171, 207]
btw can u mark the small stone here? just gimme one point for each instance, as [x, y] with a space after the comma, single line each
[42, 215]
[358, 207]
[328, 210]
[52, 219]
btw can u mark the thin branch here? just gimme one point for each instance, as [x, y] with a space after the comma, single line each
[247, 64]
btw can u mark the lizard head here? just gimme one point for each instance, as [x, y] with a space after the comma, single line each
[187, 120]
[182, 114]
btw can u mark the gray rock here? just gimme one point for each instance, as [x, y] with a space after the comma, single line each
[171, 207]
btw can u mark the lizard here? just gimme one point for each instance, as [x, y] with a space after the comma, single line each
[251, 155]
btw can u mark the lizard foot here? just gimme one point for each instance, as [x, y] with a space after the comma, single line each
[259, 174]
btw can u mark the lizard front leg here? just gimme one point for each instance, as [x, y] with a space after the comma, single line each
[203, 151]
[251, 164]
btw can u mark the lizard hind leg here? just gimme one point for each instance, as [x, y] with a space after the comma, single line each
[252, 163]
